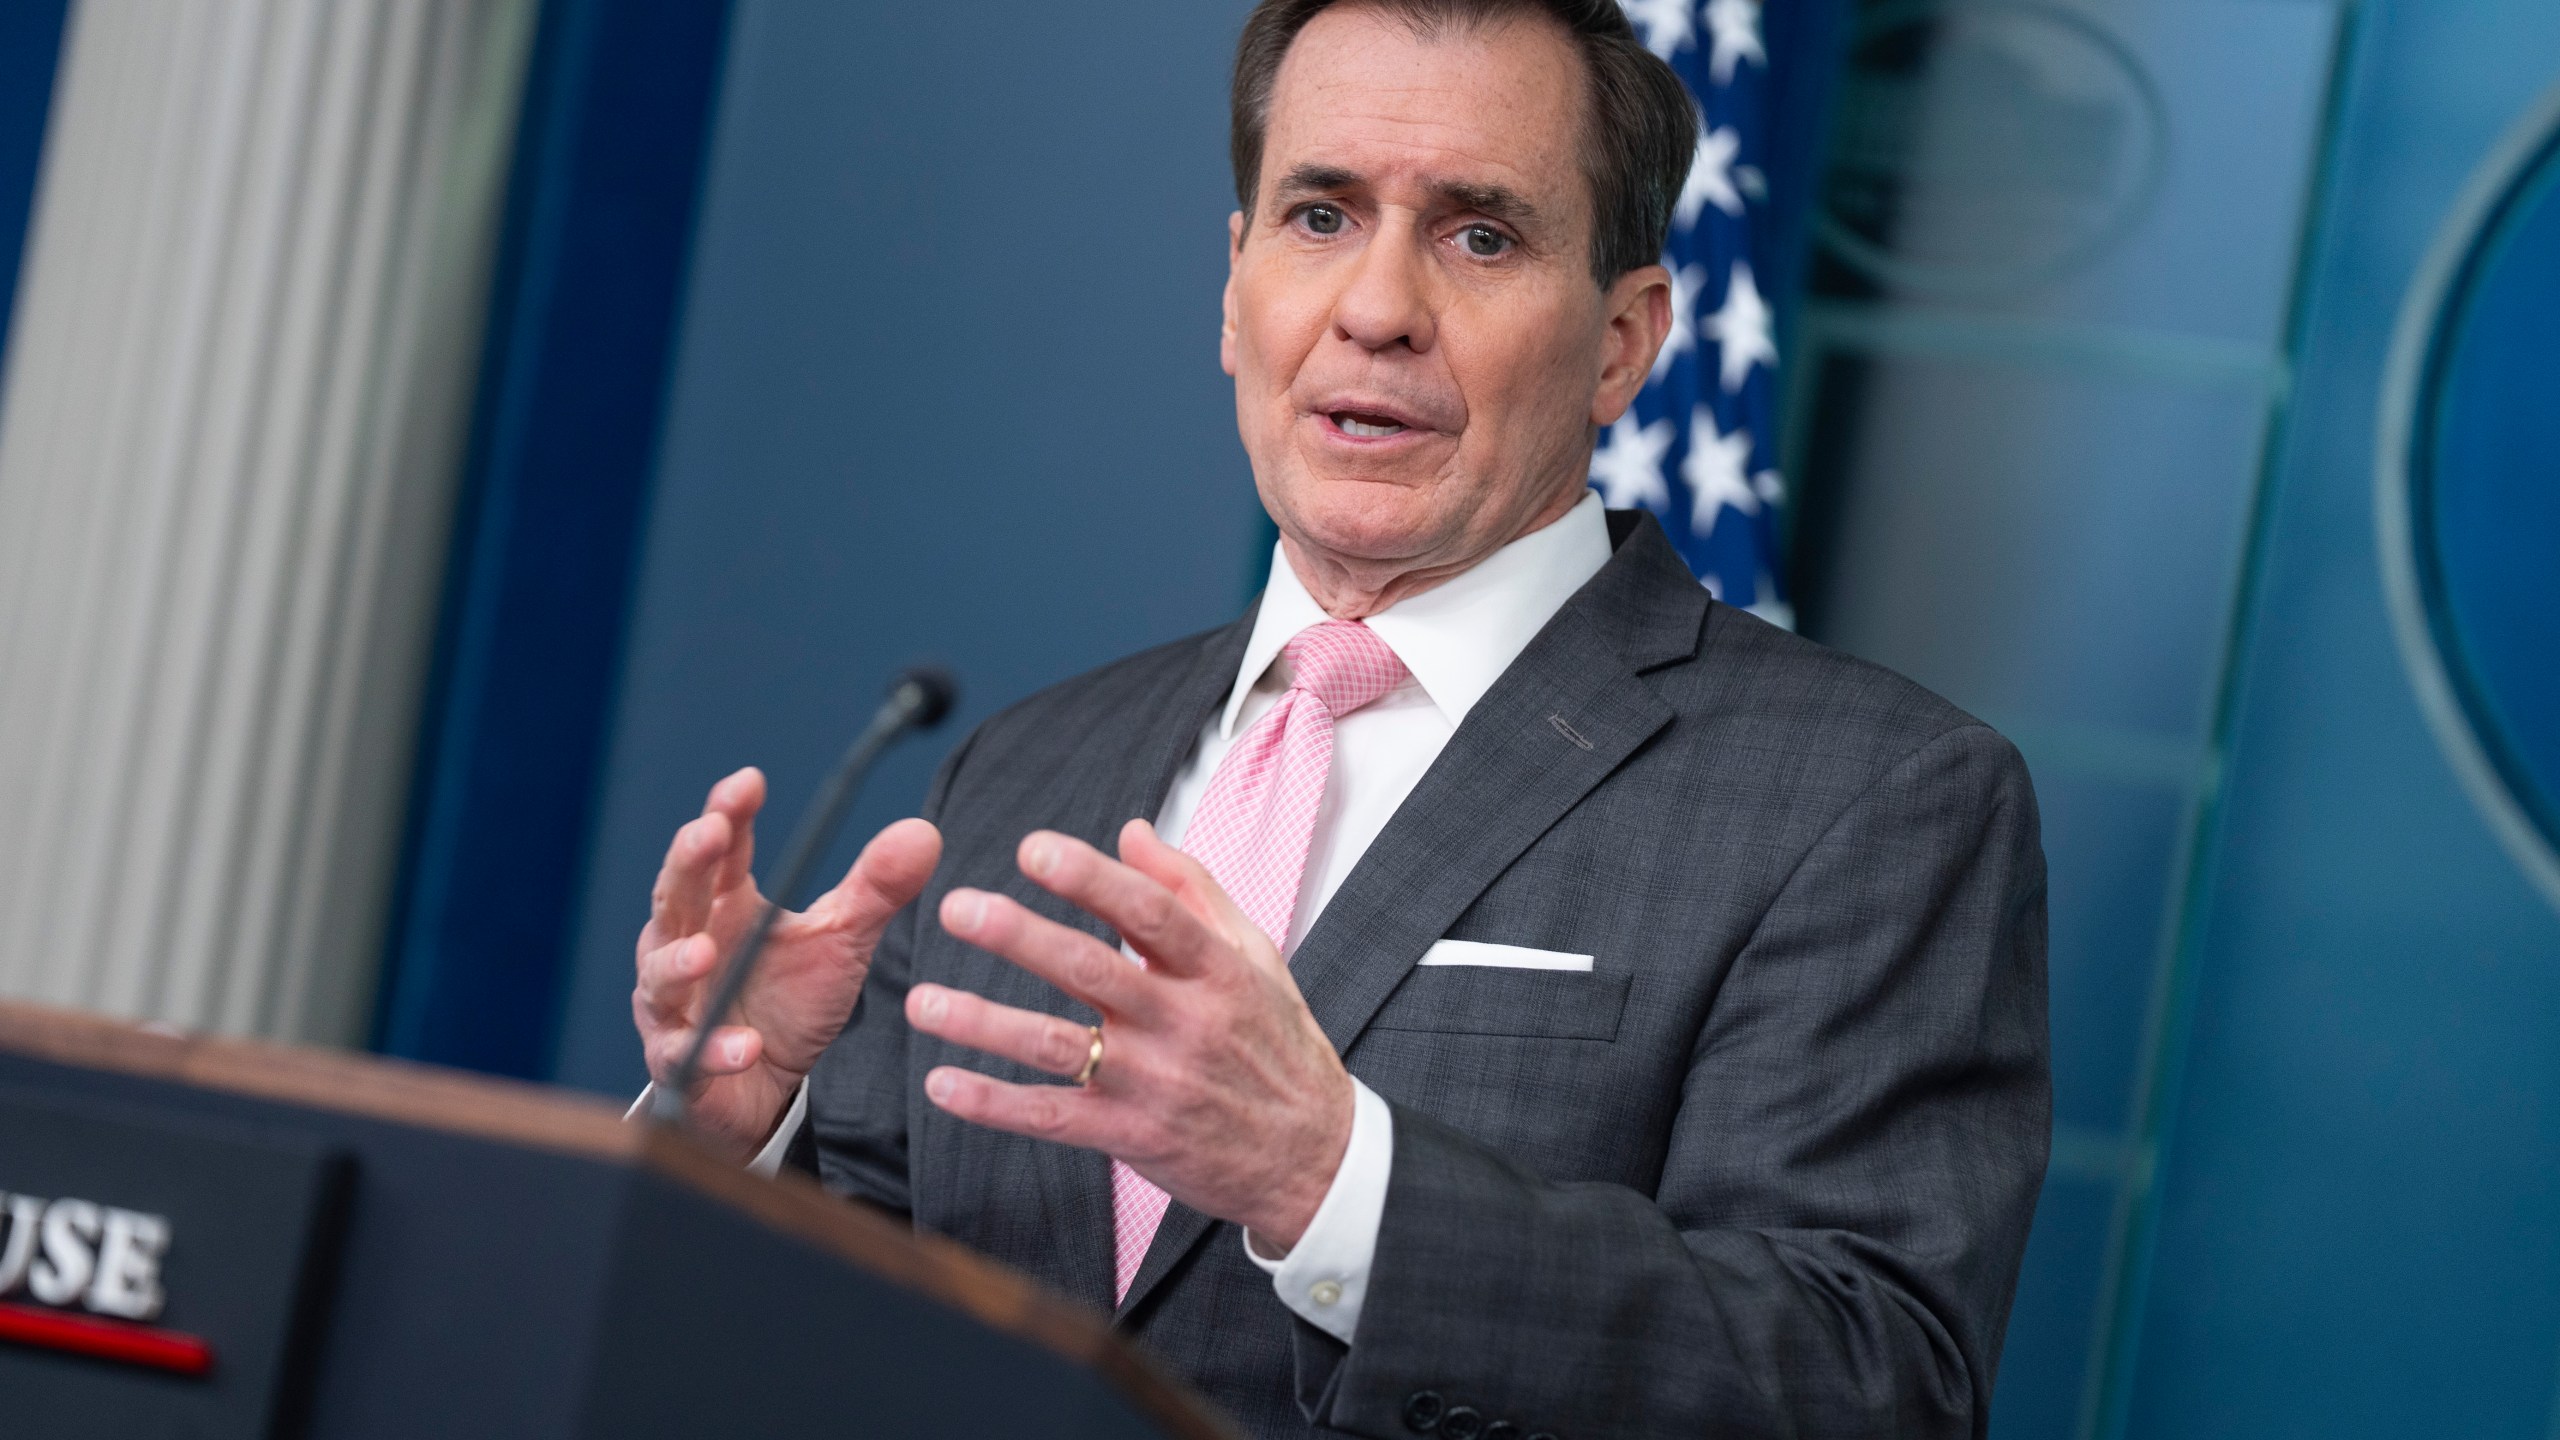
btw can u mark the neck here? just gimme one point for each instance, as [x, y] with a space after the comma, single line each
[1349, 587]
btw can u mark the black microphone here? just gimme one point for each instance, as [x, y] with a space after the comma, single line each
[918, 700]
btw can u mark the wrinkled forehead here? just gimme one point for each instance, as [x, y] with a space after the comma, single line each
[1411, 112]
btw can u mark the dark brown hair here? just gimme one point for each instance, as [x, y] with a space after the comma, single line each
[1639, 128]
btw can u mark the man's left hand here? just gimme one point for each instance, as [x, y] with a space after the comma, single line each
[1216, 1082]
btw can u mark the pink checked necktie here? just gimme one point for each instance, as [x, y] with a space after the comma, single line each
[1253, 827]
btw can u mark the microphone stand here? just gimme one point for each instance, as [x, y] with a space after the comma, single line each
[918, 700]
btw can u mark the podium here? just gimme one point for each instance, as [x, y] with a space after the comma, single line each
[214, 1238]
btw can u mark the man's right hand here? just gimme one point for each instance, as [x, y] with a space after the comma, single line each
[703, 907]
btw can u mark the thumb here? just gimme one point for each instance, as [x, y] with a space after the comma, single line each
[891, 871]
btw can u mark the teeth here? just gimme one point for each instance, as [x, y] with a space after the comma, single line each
[1365, 429]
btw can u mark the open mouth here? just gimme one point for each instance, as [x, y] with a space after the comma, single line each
[1365, 426]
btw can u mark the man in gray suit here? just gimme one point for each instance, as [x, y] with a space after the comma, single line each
[1562, 1004]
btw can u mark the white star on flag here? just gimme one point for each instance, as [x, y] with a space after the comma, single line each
[1695, 447]
[1710, 179]
[1666, 24]
[1741, 330]
[1686, 283]
[1717, 472]
[1628, 467]
[1734, 28]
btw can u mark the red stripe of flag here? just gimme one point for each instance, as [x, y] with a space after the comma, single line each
[105, 1339]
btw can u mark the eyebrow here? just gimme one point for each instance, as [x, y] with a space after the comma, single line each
[1315, 180]
[1499, 202]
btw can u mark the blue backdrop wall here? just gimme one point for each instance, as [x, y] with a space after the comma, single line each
[30, 50]
[2357, 1227]
[947, 386]
[2089, 403]
[601, 206]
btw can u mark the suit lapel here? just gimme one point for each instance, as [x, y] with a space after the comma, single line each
[1160, 755]
[1566, 714]
[1075, 1184]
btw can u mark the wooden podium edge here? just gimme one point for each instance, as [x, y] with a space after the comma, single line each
[430, 1097]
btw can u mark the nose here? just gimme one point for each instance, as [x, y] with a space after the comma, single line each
[1386, 303]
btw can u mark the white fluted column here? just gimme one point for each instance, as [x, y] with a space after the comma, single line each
[233, 415]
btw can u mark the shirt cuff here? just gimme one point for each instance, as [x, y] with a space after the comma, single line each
[768, 1161]
[1325, 1279]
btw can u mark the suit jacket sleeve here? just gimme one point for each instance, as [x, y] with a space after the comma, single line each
[1836, 1236]
[855, 1139]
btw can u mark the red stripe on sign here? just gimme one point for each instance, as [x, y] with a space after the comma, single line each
[105, 1339]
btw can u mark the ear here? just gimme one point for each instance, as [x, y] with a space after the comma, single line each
[1638, 307]
[1227, 327]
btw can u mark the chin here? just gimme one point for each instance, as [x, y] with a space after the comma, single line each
[1370, 519]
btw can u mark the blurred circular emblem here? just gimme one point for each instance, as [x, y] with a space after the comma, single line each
[2467, 495]
[1987, 145]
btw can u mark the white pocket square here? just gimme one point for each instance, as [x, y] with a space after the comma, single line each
[1503, 957]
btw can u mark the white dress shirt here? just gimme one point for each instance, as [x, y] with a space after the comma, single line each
[1455, 640]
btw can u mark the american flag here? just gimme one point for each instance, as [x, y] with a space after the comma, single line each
[1699, 448]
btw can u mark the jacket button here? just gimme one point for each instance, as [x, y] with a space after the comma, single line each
[1422, 1411]
[1463, 1422]
[1502, 1430]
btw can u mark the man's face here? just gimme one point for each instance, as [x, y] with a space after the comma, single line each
[1418, 346]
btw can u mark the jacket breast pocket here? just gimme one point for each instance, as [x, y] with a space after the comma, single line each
[1487, 1000]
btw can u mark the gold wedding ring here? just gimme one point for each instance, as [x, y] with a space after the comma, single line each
[1092, 1058]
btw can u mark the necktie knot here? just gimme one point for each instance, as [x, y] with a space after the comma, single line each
[1343, 664]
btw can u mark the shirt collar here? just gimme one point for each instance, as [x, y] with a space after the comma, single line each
[1458, 636]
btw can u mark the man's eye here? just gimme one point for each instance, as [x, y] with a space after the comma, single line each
[1484, 241]
[1323, 219]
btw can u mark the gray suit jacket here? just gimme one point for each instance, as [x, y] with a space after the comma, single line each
[1766, 1170]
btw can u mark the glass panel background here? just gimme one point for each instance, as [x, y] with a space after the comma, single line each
[2034, 389]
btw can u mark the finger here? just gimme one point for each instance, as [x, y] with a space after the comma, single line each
[1143, 850]
[1068, 1114]
[1069, 959]
[1043, 1042]
[733, 1048]
[680, 903]
[1146, 914]
[737, 797]
[671, 979]
[664, 1050]
[890, 872]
